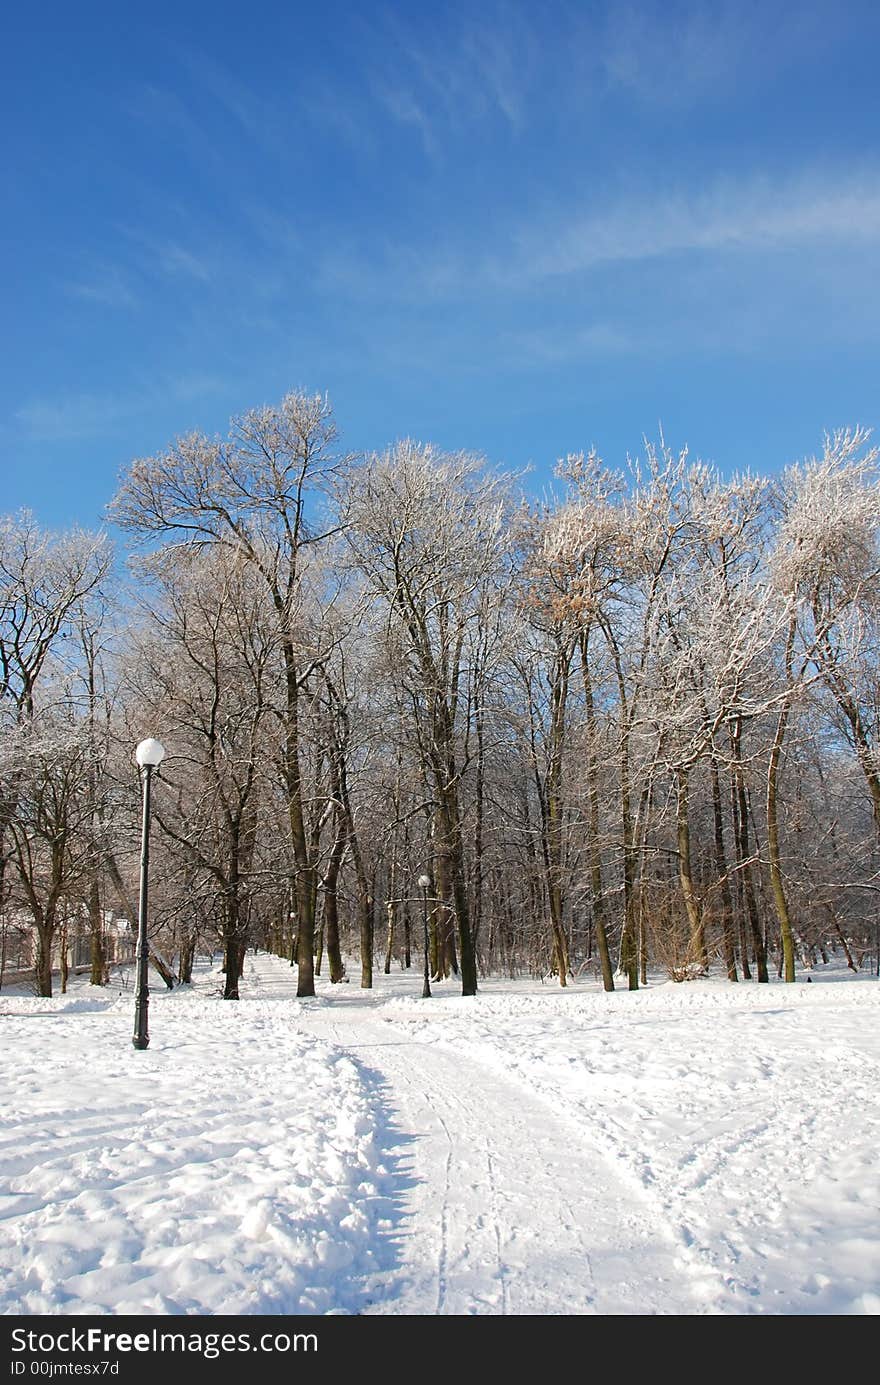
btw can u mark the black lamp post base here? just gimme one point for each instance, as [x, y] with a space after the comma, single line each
[138, 1042]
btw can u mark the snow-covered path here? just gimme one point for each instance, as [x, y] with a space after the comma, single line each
[508, 1208]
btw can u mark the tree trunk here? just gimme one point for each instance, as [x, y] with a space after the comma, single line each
[330, 925]
[844, 944]
[468, 956]
[185, 961]
[727, 937]
[45, 939]
[98, 975]
[64, 957]
[697, 943]
[444, 913]
[643, 939]
[552, 810]
[305, 872]
[161, 967]
[629, 952]
[849, 707]
[477, 907]
[389, 947]
[598, 894]
[741, 927]
[3, 919]
[443, 959]
[391, 908]
[450, 835]
[319, 948]
[364, 908]
[365, 916]
[339, 779]
[742, 846]
[236, 951]
[782, 912]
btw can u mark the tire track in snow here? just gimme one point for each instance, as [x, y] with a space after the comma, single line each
[444, 1227]
[492, 1187]
[502, 1271]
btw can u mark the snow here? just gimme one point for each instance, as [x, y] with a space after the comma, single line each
[230, 1168]
[692, 1149]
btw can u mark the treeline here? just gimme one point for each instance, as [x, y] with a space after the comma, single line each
[632, 726]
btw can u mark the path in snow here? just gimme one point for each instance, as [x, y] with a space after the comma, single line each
[508, 1207]
[746, 1116]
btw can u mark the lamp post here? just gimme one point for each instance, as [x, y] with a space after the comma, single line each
[424, 882]
[149, 755]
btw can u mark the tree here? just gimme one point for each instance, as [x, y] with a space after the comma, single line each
[205, 675]
[427, 530]
[254, 496]
[50, 757]
[581, 567]
[828, 558]
[45, 578]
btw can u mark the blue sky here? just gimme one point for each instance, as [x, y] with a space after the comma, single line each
[519, 228]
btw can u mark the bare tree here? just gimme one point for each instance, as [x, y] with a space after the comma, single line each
[255, 494]
[44, 579]
[50, 758]
[205, 675]
[829, 559]
[427, 530]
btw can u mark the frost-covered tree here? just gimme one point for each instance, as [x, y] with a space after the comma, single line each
[46, 583]
[427, 530]
[829, 560]
[582, 721]
[51, 759]
[255, 494]
[204, 672]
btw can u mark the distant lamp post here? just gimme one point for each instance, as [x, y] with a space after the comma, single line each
[149, 755]
[424, 885]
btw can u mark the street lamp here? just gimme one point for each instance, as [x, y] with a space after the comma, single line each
[424, 883]
[149, 755]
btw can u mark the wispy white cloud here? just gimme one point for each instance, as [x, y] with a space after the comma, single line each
[176, 260]
[73, 417]
[501, 60]
[756, 214]
[105, 285]
[821, 212]
[478, 64]
[420, 275]
[402, 106]
[331, 109]
[166, 256]
[277, 229]
[262, 118]
[80, 416]
[691, 51]
[552, 345]
[668, 54]
[196, 385]
[169, 116]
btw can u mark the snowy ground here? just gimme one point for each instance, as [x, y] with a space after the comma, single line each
[690, 1149]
